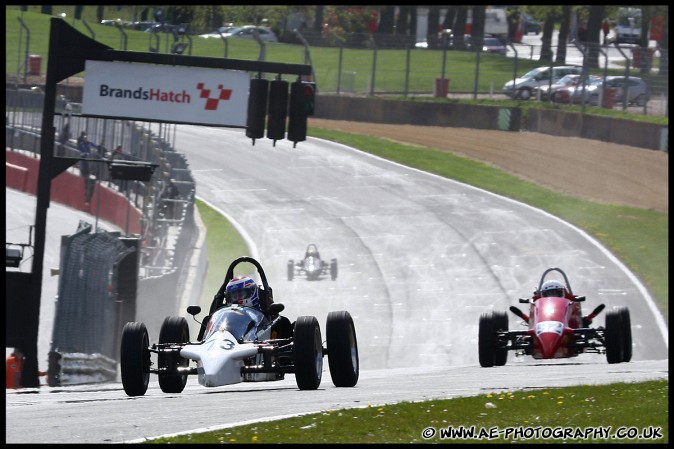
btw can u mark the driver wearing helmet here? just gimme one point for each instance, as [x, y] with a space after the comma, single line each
[553, 288]
[243, 290]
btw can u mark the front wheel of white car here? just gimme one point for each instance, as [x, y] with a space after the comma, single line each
[342, 349]
[174, 329]
[308, 353]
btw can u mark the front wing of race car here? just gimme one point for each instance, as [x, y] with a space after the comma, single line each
[219, 359]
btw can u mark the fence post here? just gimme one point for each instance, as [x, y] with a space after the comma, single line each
[374, 67]
[407, 70]
[339, 69]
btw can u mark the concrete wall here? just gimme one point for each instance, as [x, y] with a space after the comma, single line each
[21, 173]
[545, 121]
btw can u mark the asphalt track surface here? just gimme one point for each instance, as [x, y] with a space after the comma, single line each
[420, 258]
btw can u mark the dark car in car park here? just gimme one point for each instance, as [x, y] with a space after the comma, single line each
[531, 25]
[493, 45]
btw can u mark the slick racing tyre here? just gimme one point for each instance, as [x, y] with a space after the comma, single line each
[627, 333]
[174, 329]
[501, 324]
[342, 349]
[291, 270]
[613, 337]
[135, 359]
[308, 353]
[486, 343]
[333, 269]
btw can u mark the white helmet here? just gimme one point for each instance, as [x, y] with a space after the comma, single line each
[552, 288]
[243, 290]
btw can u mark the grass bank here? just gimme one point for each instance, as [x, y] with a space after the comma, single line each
[585, 414]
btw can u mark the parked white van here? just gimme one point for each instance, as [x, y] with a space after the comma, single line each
[524, 86]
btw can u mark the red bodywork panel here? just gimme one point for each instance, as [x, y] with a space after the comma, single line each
[551, 323]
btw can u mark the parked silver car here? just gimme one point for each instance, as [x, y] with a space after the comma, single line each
[637, 89]
[523, 87]
[547, 91]
[245, 32]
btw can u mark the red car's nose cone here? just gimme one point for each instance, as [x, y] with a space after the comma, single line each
[549, 342]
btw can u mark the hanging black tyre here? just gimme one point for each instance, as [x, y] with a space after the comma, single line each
[135, 359]
[501, 324]
[627, 333]
[486, 340]
[291, 269]
[613, 337]
[342, 349]
[308, 353]
[174, 329]
[333, 269]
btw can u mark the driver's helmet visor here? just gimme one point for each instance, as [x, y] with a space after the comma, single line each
[556, 292]
[241, 294]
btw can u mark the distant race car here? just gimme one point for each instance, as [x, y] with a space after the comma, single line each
[556, 328]
[312, 266]
[240, 344]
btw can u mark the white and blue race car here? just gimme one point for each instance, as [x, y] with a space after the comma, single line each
[240, 344]
[312, 266]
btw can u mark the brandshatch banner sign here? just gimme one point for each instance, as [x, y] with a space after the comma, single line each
[165, 93]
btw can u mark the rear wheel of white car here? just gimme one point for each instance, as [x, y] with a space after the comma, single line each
[342, 349]
[626, 323]
[333, 269]
[291, 270]
[640, 100]
[613, 337]
[174, 329]
[135, 359]
[501, 324]
[308, 353]
[486, 346]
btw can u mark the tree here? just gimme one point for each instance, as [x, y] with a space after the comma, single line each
[387, 19]
[546, 39]
[413, 21]
[593, 37]
[460, 27]
[402, 24]
[450, 16]
[477, 27]
[318, 19]
[563, 35]
[432, 26]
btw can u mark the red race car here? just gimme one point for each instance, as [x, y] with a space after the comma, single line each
[556, 328]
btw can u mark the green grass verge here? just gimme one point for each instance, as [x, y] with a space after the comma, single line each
[580, 411]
